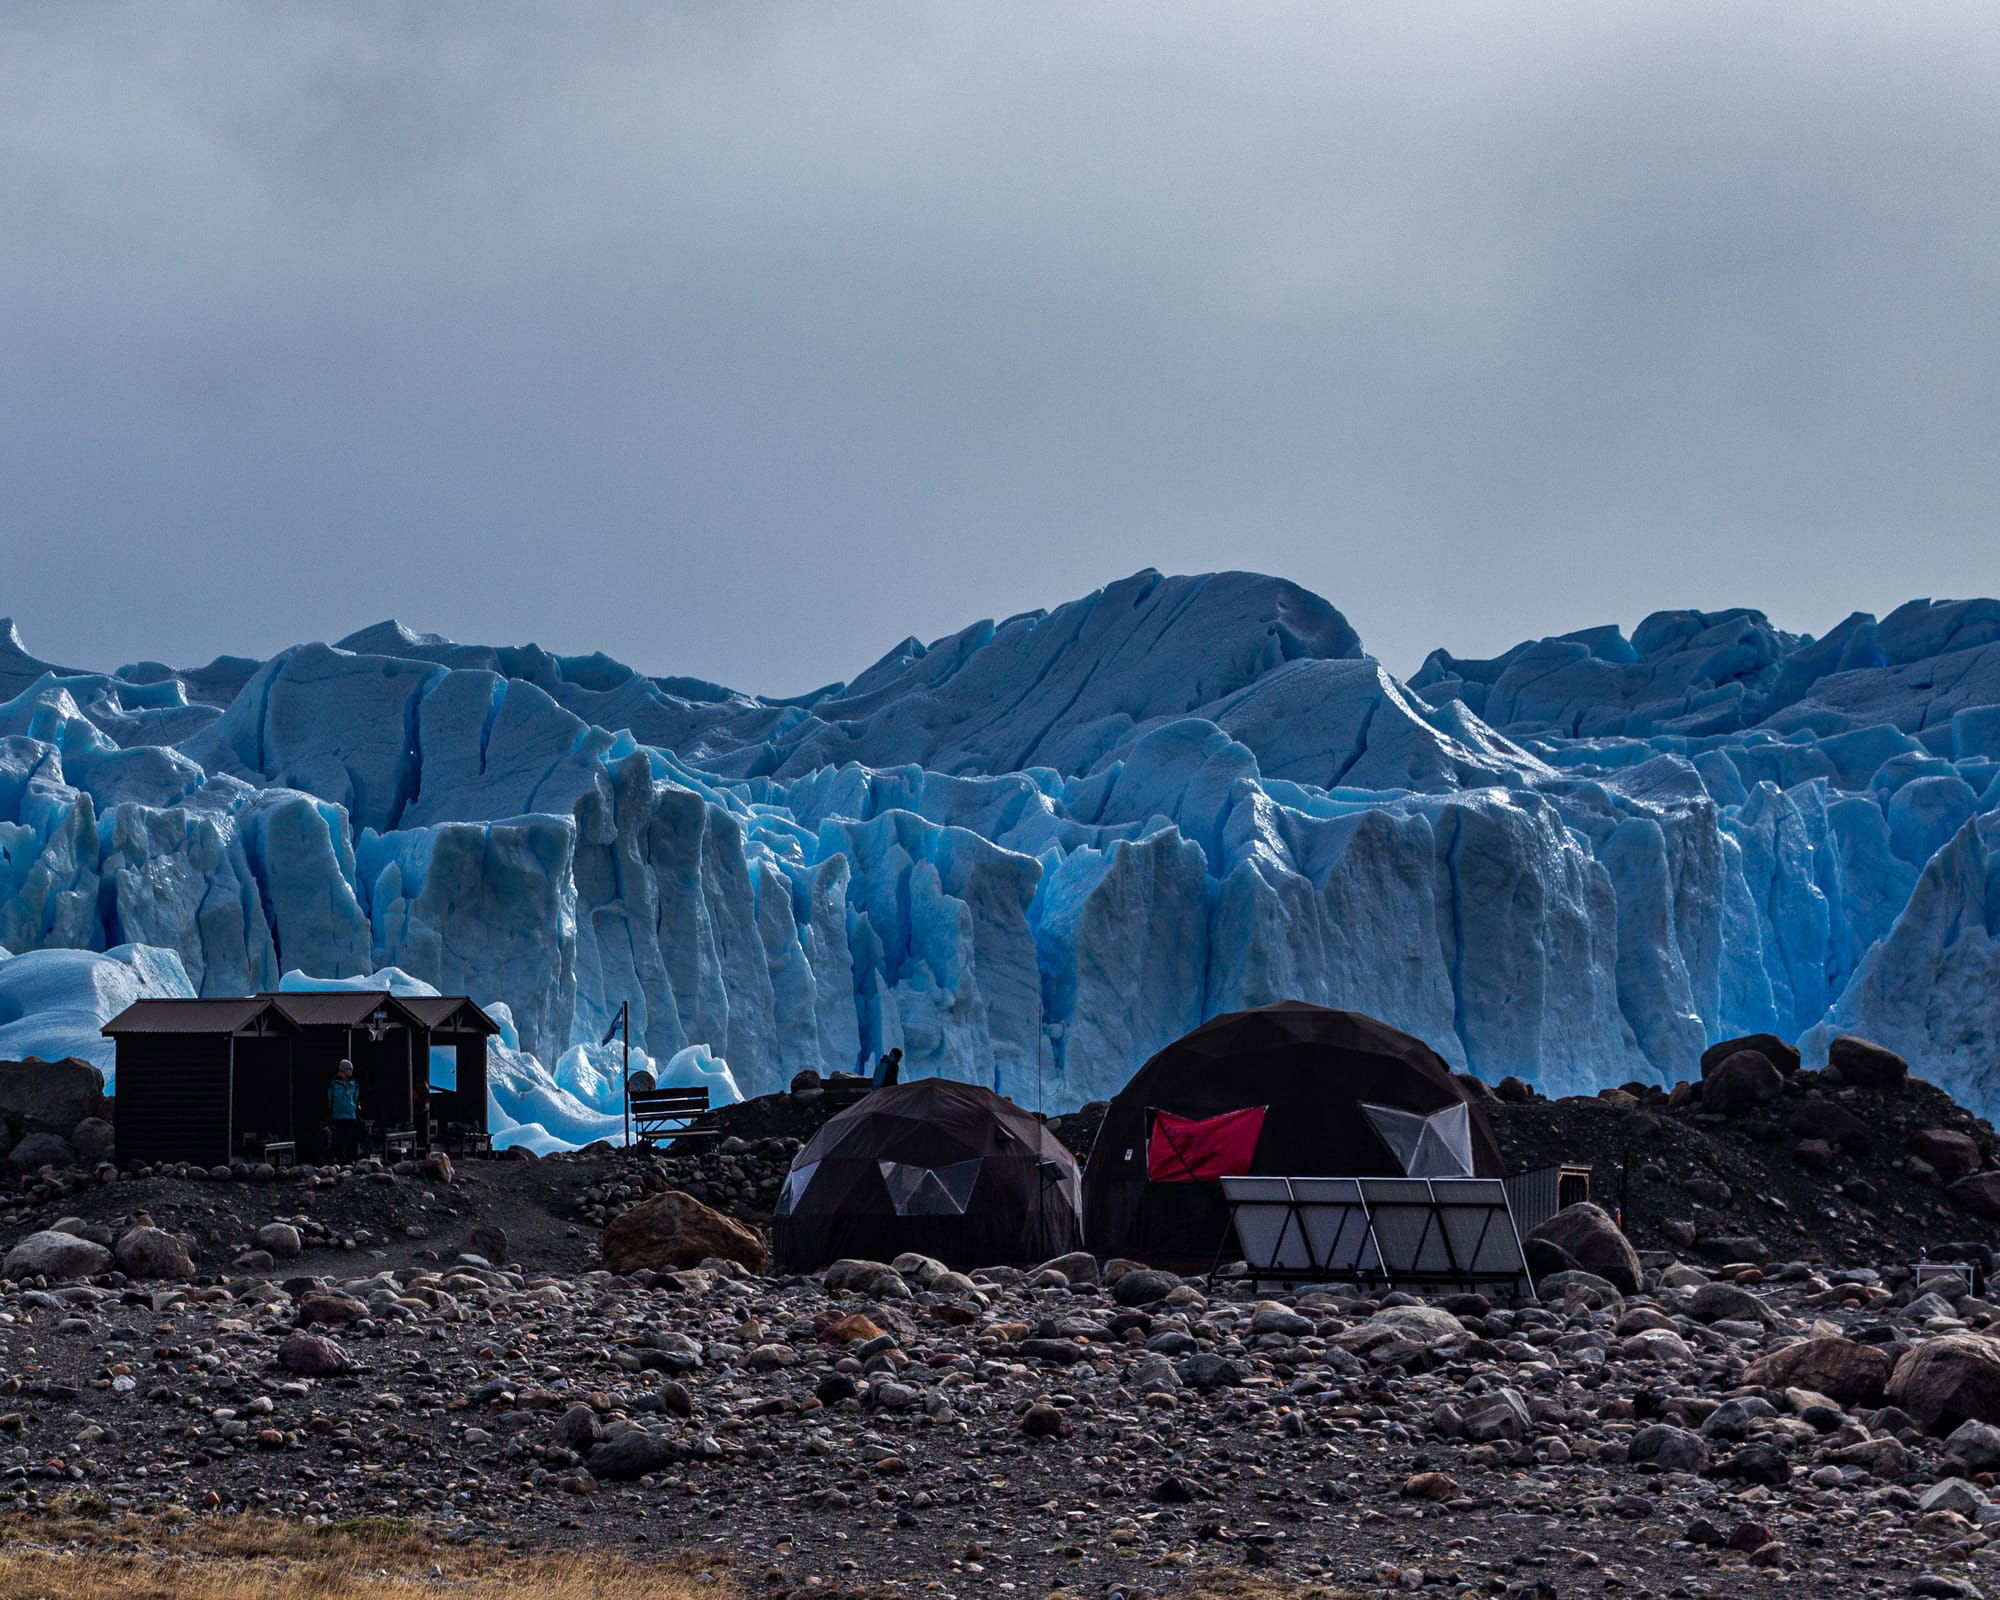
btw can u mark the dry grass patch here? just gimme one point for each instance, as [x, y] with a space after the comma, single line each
[256, 1558]
[1242, 1586]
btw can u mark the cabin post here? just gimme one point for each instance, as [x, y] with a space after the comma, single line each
[229, 1117]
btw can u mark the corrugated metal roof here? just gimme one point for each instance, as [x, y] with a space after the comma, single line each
[185, 1016]
[338, 1008]
[435, 1010]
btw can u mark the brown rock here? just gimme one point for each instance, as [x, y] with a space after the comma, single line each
[1431, 1486]
[853, 1328]
[1814, 1153]
[1948, 1380]
[1768, 1045]
[488, 1241]
[314, 1355]
[145, 1252]
[1741, 1083]
[676, 1230]
[1846, 1372]
[1953, 1154]
[1587, 1233]
[1871, 1066]
[1978, 1192]
[330, 1308]
[1822, 1119]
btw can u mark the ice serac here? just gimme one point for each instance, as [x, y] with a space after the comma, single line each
[1031, 852]
[54, 1002]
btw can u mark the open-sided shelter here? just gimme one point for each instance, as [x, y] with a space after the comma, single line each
[1291, 1089]
[213, 1080]
[946, 1169]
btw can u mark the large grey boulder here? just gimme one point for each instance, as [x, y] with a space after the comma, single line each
[1669, 1448]
[1587, 1233]
[1947, 1381]
[49, 1096]
[50, 1254]
[633, 1454]
[94, 1140]
[38, 1150]
[147, 1252]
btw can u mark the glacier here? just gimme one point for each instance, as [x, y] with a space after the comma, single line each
[1034, 851]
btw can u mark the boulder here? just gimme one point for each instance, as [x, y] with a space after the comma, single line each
[1740, 1084]
[1947, 1381]
[1868, 1065]
[632, 1454]
[49, 1096]
[1835, 1124]
[1588, 1235]
[94, 1140]
[280, 1239]
[1978, 1192]
[1144, 1287]
[1726, 1302]
[1973, 1448]
[146, 1252]
[330, 1308]
[1669, 1448]
[1655, 1344]
[677, 1230]
[488, 1241]
[1593, 1291]
[37, 1150]
[1768, 1045]
[314, 1355]
[1954, 1154]
[1079, 1266]
[1847, 1372]
[52, 1254]
[1428, 1325]
[854, 1275]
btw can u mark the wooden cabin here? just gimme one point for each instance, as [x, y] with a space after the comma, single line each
[211, 1081]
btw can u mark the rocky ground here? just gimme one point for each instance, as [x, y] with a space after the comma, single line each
[1758, 1400]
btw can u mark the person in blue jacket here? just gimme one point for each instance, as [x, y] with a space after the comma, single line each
[343, 1110]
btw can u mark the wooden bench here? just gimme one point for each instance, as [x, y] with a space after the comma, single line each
[659, 1115]
[841, 1090]
[462, 1139]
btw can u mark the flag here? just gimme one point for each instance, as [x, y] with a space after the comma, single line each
[1190, 1150]
[611, 1032]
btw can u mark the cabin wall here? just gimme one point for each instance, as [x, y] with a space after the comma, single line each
[173, 1098]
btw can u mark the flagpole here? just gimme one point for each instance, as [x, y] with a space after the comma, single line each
[625, 1073]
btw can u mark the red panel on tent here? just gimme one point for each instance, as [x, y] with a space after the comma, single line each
[1187, 1150]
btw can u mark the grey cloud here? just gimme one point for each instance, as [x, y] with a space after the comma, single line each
[742, 341]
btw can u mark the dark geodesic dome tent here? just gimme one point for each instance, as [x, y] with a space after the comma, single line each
[1288, 1089]
[946, 1169]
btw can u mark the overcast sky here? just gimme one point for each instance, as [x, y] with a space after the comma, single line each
[742, 340]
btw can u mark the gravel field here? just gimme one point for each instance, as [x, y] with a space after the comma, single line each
[444, 1345]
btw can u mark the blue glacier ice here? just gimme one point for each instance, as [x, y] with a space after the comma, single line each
[54, 1002]
[1034, 851]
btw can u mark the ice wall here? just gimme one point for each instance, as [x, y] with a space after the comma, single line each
[1033, 852]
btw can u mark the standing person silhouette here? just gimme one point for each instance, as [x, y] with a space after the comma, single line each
[343, 1110]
